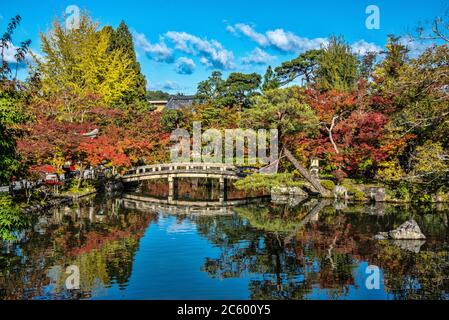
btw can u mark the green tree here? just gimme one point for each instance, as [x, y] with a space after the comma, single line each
[210, 89]
[337, 67]
[11, 116]
[11, 218]
[421, 108]
[367, 65]
[121, 40]
[77, 67]
[270, 81]
[157, 95]
[431, 162]
[239, 88]
[396, 56]
[170, 119]
[283, 109]
[236, 90]
[303, 66]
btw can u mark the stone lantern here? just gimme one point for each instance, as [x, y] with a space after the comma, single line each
[315, 167]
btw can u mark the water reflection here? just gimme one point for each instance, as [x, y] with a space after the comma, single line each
[313, 250]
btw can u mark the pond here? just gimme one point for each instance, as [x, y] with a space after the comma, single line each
[308, 249]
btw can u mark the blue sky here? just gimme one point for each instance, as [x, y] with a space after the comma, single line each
[179, 43]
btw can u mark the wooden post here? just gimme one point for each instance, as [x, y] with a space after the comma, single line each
[222, 189]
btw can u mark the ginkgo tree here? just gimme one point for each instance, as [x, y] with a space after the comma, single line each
[77, 63]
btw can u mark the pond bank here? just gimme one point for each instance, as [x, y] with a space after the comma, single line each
[57, 201]
[359, 192]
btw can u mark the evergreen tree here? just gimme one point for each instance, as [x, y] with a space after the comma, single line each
[210, 89]
[304, 66]
[396, 55]
[270, 81]
[337, 67]
[121, 39]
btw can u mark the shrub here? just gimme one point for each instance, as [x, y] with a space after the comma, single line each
[424, 198]
[403, 192]
[264, 182]
[328, 184]
[11, 218]
[358, 194]
[72, 186]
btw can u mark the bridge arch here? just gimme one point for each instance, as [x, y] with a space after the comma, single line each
[171, 171]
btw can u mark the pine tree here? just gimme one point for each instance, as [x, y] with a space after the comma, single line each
[270, 81]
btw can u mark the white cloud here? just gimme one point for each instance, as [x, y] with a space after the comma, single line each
[258, 56]
[362, 47]
[185, 66]
[248, 31]
[205, 62]
[230, 29]
[279, 39]
[171, 86]
[416, 47]
[212, 52]
[158, 51]
[288, 41]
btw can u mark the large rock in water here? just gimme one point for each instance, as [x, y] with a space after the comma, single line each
[409, 230]
[410, 245]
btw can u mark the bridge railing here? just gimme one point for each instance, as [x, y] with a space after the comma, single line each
[182, 167]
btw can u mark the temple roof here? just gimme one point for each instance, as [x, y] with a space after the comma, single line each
[179, 101]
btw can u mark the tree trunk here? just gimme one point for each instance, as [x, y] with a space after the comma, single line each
[331, 138]
[80, 177]
[305, 173]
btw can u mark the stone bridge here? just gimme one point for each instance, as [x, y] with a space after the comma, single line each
[172, 171]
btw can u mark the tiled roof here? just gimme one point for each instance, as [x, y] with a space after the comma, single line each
[179, 101]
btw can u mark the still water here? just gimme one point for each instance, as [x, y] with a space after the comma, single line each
[310, 249]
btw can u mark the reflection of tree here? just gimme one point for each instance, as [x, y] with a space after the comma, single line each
[286, 252]
[102, 246]
[415, 275]
[292, 257]
[275, 219]
[245, 250]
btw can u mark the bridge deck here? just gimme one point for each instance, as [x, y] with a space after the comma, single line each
[181, 170]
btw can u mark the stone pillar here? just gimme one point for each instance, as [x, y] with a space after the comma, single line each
[171, 187]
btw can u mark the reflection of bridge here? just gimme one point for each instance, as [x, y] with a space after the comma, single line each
[183, 170]
[181, 207]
